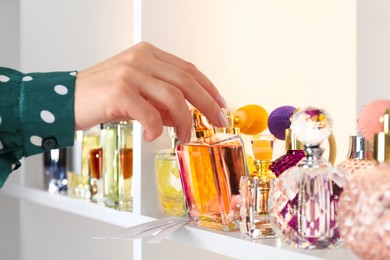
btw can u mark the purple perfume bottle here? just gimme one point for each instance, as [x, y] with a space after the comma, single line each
[303, 201]
[279, 122]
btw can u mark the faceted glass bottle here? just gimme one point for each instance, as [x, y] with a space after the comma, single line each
[364, 211]
[254, 190]
[210, 170]
[125, 167]
[170, 192]
[109, 143]
[303, 203]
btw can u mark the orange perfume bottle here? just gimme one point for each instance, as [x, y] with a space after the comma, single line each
[255, 190]
[211, 166]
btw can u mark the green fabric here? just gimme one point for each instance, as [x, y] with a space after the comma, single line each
[33, 107]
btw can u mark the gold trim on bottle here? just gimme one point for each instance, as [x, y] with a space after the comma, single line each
[382, 140]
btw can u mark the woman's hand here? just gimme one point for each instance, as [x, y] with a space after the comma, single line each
[149, 85]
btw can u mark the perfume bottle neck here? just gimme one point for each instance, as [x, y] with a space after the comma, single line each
[358, 148]
[262, 168]
[313, 152]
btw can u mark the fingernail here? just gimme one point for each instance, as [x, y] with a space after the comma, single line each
[222, 102]
[223, 121]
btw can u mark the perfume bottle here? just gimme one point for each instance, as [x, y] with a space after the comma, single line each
[364, 211]
[125, 166]
[303, 203]
[170, 192]
[359, 155]
[55, 170]
[294, 154]
[210, 167]
[254, 190]
[95, 159]
[109, 144]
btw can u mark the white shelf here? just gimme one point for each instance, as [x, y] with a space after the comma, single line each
[231, 244]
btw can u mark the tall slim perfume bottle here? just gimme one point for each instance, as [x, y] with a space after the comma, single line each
[364, 206]
[303, 203]
[170, 192]
[211, 166]
[125, 167]
[359, 155]
[55, 171]
[95, 158]
[109, 143]
[254, 190]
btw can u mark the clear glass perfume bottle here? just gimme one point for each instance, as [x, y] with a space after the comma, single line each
[359, 155]
[254, 190]
[294, 153]
[125, 167]
[303, 203]
[109, 144]
[364, 208]
[210, 170]
[55, 171]
[170, 192]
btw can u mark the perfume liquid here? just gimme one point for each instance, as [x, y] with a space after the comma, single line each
[169, 189]
[210, 171]
[95, 159]
[125, 169]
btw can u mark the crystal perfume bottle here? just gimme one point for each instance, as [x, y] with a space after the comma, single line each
[170, 192]
[254, 190]
[109, 143]
[364, 209]
[359, 155]
[303, 203]
[211, 166]
[125, 167]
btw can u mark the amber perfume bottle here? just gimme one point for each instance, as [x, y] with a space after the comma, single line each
[303, 201]
[170, 192]
[125, 166]
[95, 158]
[359, 155]
[364, 208]
[254, 190]
[211, 166]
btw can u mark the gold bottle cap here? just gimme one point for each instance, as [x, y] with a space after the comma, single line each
[231, 129]
[382, 140]
[291, 142]
[201, 125]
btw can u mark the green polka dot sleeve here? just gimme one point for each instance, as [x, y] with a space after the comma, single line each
[36, 114]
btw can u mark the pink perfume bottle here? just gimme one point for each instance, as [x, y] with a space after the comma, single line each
[359, 155]
[210, 167]
[364, 207]
[303, 203]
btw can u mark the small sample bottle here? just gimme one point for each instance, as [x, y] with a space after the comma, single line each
[303, 203]
[210, 170]
[109, 144]
[254, 190]
[95, 158]
[55, 170]
[125, 166]
[169, 189]
[359, 155]
[364, 209]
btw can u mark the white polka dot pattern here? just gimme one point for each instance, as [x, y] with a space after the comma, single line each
[1, 145]
[47, 116]
[61, 90]
[73, 73]
[4, 78]
[0, 120]
[36, 140]
[27, 78]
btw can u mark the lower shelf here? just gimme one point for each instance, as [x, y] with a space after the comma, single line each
[231, 244]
